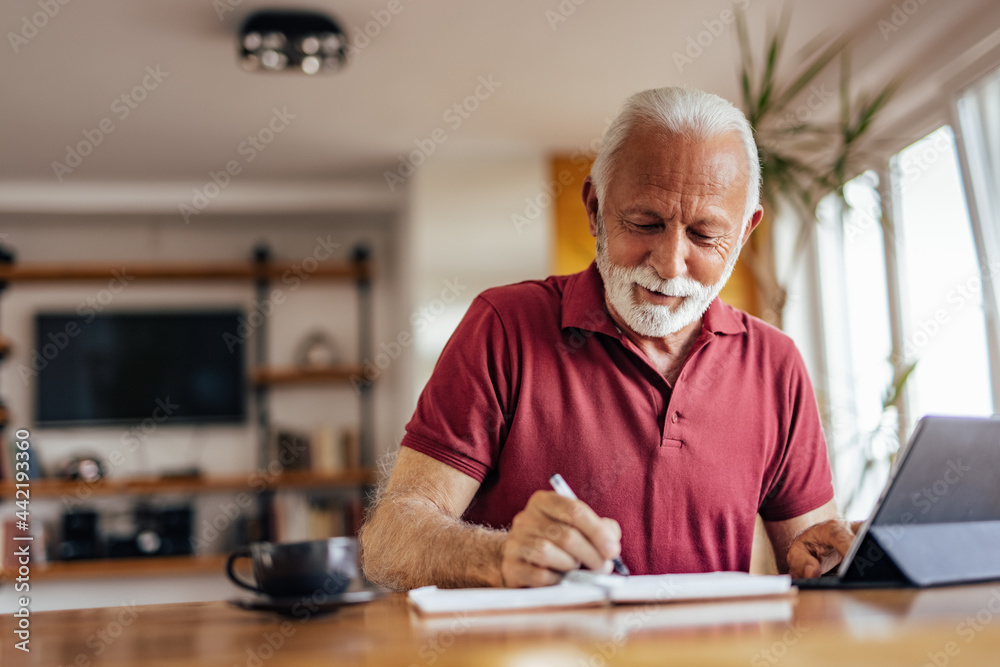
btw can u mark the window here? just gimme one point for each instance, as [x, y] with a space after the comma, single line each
[855, 304]
[944, 328]
[913, 291]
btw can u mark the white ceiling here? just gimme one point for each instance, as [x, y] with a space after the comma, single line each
[557, 86]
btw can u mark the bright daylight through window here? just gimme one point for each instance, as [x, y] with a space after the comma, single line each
[942, 287]
[940, 320]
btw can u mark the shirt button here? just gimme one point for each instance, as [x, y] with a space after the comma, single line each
[674, 417]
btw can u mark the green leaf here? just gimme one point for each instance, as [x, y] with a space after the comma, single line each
[895, 392]
[767, 82]
[845, 90]
[746, 66]
[869, 112]
[807, 75]
[745, 86]
[746, 52]
[802, 162]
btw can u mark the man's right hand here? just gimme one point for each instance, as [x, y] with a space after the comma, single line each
[553, 535]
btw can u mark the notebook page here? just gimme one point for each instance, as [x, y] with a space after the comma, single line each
[434, 600]
[676, 587]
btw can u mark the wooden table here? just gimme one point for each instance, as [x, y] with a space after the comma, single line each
[947, 626]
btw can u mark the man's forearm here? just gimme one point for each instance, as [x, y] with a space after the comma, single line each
[410, 542]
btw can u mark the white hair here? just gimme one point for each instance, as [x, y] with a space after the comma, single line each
[691, 113]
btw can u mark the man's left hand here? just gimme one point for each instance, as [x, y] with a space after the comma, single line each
[820, 548]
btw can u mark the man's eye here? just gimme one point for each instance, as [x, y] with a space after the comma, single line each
[699, 236]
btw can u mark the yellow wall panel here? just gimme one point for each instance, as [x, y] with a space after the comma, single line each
[573, 246]
[573, 249]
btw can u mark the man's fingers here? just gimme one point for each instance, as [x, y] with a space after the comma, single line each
[615, 528]
[840, 538]
[521, 574]
[801, 562]
[604, 538]
[819, 548]
[554, 535]
[543, 553]
[571, 541]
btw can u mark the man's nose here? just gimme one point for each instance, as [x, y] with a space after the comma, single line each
[669, 254]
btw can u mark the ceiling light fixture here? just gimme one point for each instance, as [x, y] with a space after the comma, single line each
[292, 40]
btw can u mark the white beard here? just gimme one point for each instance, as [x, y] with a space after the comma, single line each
[647, 319]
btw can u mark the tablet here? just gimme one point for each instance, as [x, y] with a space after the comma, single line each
[937, 520]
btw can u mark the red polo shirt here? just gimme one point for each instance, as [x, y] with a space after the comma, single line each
[537, 379]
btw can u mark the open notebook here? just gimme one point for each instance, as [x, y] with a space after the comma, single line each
[581, 588]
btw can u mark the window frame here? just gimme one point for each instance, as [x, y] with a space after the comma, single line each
[943, 109]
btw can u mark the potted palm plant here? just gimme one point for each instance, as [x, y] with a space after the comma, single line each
[804, 158]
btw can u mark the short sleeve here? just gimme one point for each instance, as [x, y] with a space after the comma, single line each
[803, 481]
[460, 415]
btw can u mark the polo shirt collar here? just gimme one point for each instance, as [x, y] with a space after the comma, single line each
[583, 307]
[583, 303]
[721, 318]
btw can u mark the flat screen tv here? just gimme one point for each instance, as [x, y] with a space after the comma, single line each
[126, 367]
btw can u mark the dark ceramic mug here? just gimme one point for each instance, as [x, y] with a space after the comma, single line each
[298, 568]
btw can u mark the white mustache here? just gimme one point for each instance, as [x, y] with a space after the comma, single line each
[681, 286]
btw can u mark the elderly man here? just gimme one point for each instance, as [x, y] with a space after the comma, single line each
[676, 418]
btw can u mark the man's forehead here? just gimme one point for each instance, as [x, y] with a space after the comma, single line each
[661, 159]
[645, 143]
[648, 181]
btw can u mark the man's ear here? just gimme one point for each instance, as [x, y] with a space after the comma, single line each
[754, 221]
[591, 204]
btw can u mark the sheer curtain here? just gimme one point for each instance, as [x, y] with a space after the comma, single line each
[979, 117]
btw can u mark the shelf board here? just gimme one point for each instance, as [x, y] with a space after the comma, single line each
[53, 488]
[122, 567]
[299, 375]
[50, 272]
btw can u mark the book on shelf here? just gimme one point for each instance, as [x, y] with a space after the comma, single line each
[351, 440]
[291, 449]
[335, 450]
[297, 518]
[326, 451]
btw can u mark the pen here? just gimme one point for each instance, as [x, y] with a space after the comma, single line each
[560, 486]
